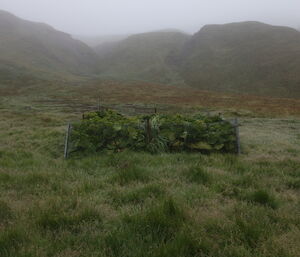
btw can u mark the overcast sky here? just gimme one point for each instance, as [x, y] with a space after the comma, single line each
[103, 17]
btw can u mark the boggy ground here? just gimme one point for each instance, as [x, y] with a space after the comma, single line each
[138, 204]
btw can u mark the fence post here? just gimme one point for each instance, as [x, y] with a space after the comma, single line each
[237, 134]
[148, 130]
[66, 153]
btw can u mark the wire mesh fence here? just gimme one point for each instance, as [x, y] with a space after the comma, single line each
[147, 128]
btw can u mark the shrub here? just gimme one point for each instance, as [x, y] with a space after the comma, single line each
[108, 130]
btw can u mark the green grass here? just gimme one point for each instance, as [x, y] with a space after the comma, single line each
[263, 197]
[139, 204]
[5, 212]
[198, 175]
[126, 175]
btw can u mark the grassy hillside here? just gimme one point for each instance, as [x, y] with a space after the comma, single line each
[138, 204]
[239, 58]
[39, 50]
[143, 56]
[97, 41]
[248, 57]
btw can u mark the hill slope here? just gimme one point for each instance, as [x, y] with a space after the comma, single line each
[34, 48]
[143, 56]
[99, 40]
[247, 57]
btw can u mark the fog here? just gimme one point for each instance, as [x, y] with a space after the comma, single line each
[108, 17]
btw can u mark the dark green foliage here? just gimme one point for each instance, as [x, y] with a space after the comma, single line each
[263, 197]
[108, 130]
[156, 133]
[197, 133]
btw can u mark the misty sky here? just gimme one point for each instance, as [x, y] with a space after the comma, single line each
[104, 17]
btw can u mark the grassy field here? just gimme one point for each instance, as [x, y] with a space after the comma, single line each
[138, 204]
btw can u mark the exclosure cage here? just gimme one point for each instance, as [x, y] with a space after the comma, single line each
[150, 132]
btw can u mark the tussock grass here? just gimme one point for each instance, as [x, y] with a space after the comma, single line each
[137, 196]
[263, 197]
[293, 183]
[198, 175]
[6, 212]
[65, 214]
[126, 175]
[138, 233]
[11, 241]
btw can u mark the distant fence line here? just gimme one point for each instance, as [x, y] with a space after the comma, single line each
[126, 109]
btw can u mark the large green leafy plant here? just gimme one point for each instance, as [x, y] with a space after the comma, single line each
[109, 130]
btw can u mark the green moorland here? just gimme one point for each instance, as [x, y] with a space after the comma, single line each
[144, 57]
[28, 48]
[244, 57]
[139, 204]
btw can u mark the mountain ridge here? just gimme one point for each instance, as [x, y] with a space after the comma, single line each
[242, 57]
[39, 48]
[249, 57]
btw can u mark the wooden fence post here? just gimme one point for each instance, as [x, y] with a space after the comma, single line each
[66, 153]
[237, 134]
[148, 130]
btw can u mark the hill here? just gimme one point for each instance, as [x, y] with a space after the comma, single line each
[99, 40]
[29, 48]
[143, 56]
[240, 58]
[248, 57]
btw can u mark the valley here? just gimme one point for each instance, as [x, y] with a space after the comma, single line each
[132, 203]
